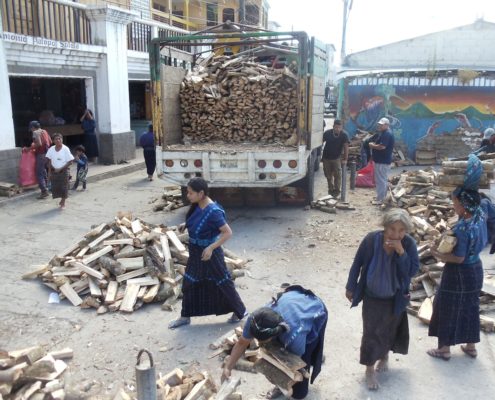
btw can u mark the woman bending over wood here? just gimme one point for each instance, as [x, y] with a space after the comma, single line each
[297, 319]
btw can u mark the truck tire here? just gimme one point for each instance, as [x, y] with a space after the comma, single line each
[317, 159]
[309, 180]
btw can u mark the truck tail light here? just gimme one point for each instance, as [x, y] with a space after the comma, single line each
[292, 163]
[262, 163]
[169, 163]
[273, 176]
[262, 177]
[198, 163]
[277, 163]
[183, 163]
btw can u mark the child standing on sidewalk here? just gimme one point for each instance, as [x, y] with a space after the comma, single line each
[82, 167]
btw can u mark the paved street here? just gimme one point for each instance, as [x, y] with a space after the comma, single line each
[286, 244]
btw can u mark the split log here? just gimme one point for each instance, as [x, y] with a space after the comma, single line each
[227, 388]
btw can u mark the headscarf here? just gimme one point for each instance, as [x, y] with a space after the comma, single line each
[468, 193]
[488, 133]
[266, 324]
[473, 173]
[469, 199]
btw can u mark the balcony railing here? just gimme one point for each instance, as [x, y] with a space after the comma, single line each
[174, 20]
[47, 19]
[139, 34]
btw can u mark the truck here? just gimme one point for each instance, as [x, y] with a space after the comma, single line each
[240, 165]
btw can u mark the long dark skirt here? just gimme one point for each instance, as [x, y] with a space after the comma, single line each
[150, 160]
[383, 331]
[456, 307]
[208, 287]
[91, 145]
[60, 184]
[313, 356]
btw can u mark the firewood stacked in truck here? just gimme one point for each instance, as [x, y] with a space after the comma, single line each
[235, 99]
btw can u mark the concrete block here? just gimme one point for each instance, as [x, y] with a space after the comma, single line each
[117, 147]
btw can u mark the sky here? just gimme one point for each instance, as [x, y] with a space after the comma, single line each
[373, 23]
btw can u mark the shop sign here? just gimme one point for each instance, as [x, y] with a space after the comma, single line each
[39, 41]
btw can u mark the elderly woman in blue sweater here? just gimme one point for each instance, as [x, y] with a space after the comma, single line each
[380, 276]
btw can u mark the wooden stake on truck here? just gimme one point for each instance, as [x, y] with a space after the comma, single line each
[235, 121]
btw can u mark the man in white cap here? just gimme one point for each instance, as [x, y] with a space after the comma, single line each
[381, 153]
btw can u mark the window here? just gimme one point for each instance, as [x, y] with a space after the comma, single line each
[159, 7]
[252, 14]
[228, 15]
[211, 14]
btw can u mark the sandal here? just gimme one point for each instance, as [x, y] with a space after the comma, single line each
[179, 322]
[444, 355]
[473, 353]
[234, 319]
[274, 393]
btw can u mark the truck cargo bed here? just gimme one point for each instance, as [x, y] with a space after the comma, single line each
[230, 147]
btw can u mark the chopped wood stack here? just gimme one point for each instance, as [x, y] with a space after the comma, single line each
[171, 199]
[356, 143]
[9, 189]
[32, 373]
[179, 385]
[123, 265]
[236, 100]
[330, 205]
[279, 366]
[433, 216]
[453, 173]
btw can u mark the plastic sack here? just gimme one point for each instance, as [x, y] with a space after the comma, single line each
[27, 169]
[366, 176]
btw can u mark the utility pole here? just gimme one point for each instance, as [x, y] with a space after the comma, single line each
[347, 10]
[242, 11]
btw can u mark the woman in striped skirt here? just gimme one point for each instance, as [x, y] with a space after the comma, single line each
[456, 307]
[207, 288]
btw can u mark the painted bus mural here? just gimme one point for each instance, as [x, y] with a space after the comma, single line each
[419, 108]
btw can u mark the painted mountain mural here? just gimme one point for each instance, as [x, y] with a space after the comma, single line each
[415, 111]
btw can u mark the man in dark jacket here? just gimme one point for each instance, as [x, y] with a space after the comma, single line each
[334, 156]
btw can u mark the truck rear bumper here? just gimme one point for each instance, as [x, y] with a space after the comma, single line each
[234, 168]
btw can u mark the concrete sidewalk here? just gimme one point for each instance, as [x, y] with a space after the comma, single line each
[96, 172]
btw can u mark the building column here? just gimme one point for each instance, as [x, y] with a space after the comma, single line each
[9, 154]
[109, 28]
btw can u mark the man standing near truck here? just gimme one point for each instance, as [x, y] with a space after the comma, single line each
[335, 152]
[381, 153]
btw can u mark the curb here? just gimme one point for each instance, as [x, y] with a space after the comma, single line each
[128, 169]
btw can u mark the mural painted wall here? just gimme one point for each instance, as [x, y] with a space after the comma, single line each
[418, 111]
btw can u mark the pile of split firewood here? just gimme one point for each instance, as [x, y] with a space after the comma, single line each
[171, 199]
[356, 142]
[9, 189]
[194, 386]
[433, 216]
[453, 173]
[330, 204]
[32, 373]
[123, 265]
[279, 366]
[235, 99]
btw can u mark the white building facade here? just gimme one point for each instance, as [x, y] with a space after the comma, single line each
[98, 61]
